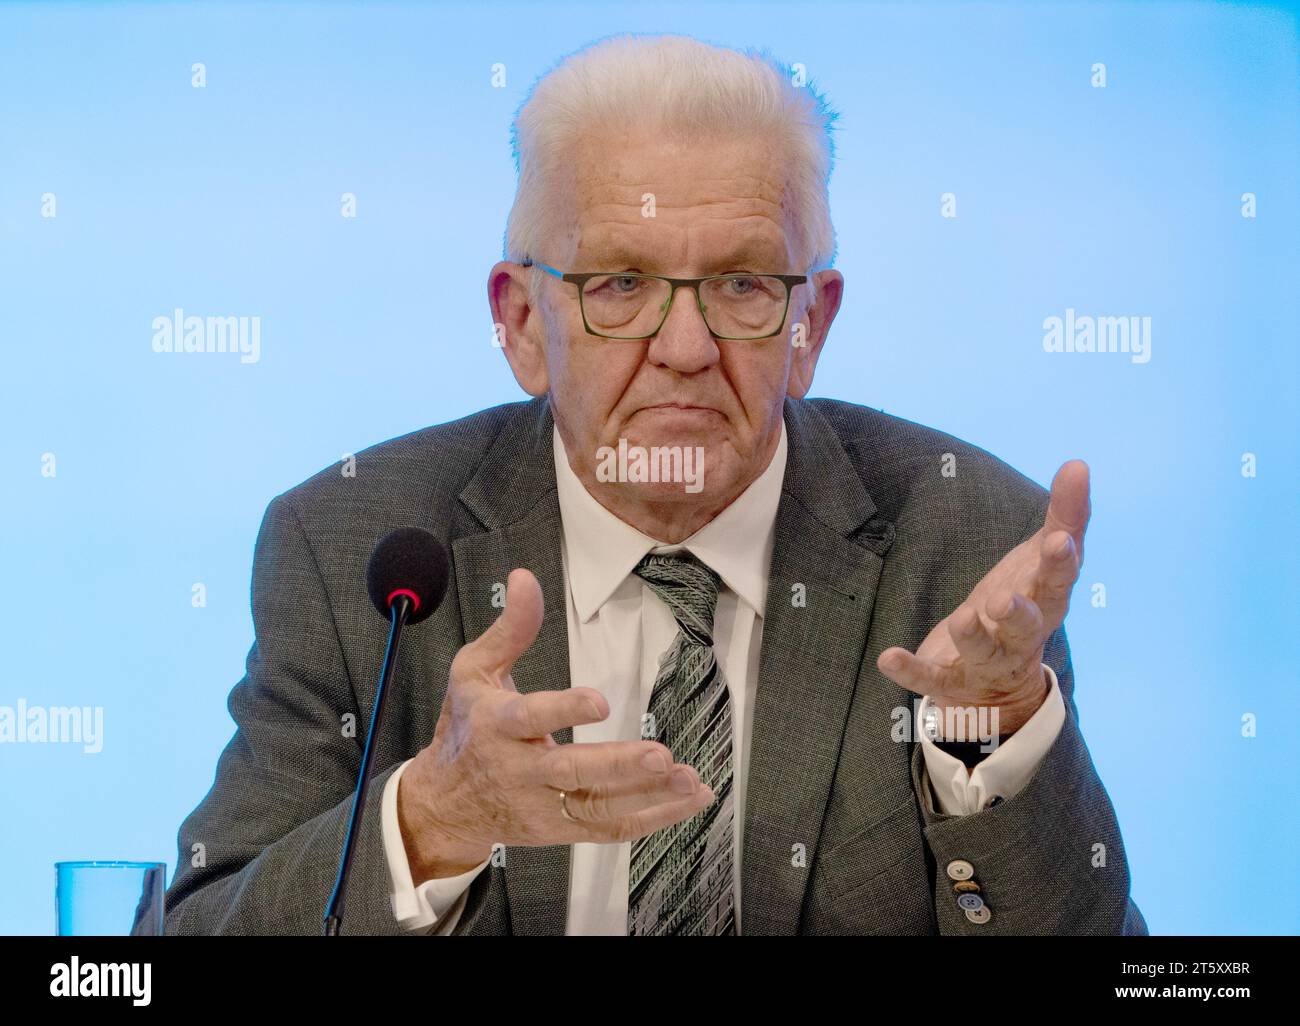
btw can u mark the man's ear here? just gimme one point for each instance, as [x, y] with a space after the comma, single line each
[519, 326]
[828, 291]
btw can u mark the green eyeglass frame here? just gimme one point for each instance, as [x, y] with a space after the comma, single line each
[580, 279]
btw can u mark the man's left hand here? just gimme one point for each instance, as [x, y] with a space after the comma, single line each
[989, 651]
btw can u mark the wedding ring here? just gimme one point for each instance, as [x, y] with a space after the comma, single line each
[564, 808]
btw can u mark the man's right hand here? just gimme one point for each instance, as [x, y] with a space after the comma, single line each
[493, 773]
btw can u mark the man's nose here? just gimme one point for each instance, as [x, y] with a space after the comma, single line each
[684, 342]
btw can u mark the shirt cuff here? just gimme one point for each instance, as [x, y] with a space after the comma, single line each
[959, 792]
[435, 902]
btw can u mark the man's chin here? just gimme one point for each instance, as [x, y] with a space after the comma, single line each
[667, 467]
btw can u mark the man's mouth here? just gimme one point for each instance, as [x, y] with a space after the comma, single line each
[682, 407]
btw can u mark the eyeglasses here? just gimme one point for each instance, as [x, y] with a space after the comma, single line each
[627, 305]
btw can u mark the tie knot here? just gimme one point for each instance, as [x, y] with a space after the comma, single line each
[687, 587]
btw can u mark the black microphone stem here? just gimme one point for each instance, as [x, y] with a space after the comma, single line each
[400, 610]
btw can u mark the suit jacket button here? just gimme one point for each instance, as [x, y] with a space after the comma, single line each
[970, 902]
[960, 869]
[966, 887]
[979, 916]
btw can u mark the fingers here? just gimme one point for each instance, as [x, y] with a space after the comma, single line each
[542, 713]
[1069, 507]
[1058, 568]
[1018, 625]
[975, 642]
[621, 790]
[498, 647]
[620, 798]
[1015, 626]
[571, 767]
[634, 825]
[914, 673]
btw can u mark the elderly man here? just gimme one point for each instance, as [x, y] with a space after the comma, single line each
[674, 688]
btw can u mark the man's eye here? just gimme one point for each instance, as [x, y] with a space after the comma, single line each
[627, 280]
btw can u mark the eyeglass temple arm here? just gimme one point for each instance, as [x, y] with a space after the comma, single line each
[529, 262]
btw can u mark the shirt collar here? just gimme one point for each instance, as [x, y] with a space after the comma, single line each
[602, 550]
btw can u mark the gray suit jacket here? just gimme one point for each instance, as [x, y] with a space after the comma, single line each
[884, 545]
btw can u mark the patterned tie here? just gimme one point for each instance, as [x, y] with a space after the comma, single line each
[681, 877]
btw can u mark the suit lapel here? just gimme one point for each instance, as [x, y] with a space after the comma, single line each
[821, 593]
[513, 495]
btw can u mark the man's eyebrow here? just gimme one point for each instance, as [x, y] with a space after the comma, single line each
[749, 256]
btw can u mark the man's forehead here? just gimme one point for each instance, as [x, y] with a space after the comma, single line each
[609, 165]
[638, 201]
[654, 245]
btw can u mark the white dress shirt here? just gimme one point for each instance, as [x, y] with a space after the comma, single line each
[617, 630]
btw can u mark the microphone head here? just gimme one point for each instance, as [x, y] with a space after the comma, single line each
[408, 560]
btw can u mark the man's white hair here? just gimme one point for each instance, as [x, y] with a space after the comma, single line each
[685, 91]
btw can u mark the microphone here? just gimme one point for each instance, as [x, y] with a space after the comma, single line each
[406, 580]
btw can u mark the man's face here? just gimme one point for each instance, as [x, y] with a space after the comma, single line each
[716, 209]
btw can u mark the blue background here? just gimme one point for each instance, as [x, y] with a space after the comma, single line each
[225, 200]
